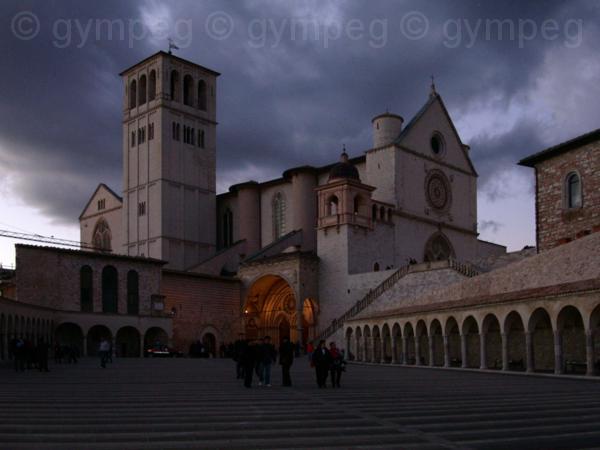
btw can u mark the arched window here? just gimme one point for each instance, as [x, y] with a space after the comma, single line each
[152, 86]
[227, 228]
[332, 206]
[133, 294]
[374, 213]
[573, 191]
[132, 94]
[358, 204]
[438, 248]
[86, 292]
[143, 87]
[110, 290]
[376, 267]
[175, 85]
[202, 95]
[188, 86]
[101, 239]
[278, 215]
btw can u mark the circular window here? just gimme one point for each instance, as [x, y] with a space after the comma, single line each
[437, 190]
[437, 144]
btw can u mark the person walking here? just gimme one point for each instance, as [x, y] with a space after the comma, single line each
[103, 352]
[321, 359]
[286, 359]
[337, 364]
[268, 356]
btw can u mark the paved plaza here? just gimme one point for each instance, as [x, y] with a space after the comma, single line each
[187, 403]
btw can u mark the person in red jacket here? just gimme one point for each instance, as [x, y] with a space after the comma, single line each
[337, 364]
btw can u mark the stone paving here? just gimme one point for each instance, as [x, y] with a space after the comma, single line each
[186, 403]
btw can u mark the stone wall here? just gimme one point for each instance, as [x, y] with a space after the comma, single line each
[555, 223]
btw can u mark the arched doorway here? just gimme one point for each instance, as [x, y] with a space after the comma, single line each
[94, 336]
[387, 344]
[209, 341]
[155, 336]
[453, 336]
[350, 352]
[515, 342]
[542, 341]
[397, 343]
[409, 343]
[128, 342]
[359, 345]
[423, 344]
[572, 339]
[271, 309]
[470, 331]
[69, 334]
[493, 342]
[437, 342]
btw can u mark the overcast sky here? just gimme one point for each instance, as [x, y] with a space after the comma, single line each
[299, 79]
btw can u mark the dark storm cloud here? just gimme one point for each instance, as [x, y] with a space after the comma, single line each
[283, 100]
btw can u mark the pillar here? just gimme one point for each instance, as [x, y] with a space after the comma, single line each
[482, 352]
[404, 351]
[446, 351]
[504, 351]
[417, 351]
[589, 352]
[431, 361]
[463, 350]
[558, 355]
[529, 351]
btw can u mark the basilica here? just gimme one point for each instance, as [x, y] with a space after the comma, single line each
[378, 251]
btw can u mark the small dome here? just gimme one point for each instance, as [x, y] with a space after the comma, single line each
[343, 169]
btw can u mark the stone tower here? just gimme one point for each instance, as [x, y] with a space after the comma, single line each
[169, 140]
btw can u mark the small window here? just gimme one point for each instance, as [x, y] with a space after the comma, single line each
[141, 209]
[573, 189]
[150, 131]
[143, 87]
[437, 144]
[101, 204]
[132, 94]
[201, 138]
[376, 267]
[133, 138]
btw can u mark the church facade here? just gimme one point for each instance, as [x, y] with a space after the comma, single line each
[305, 247]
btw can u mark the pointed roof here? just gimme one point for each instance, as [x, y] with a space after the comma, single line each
[110, 191]
[433, 97]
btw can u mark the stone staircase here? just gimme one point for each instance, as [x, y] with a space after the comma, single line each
[465, 269]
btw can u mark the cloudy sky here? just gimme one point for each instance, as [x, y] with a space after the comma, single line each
[299, 78]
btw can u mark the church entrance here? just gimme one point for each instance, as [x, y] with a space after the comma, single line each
[271, 309]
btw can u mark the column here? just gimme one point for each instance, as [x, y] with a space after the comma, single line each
[417, 351]
[394, 350]
[446, 351]
[589, 352]
[404, 351]
[529, 351]
[431, 362]
[482, 352]
[463, 350]
[504, 351]
[558, 356]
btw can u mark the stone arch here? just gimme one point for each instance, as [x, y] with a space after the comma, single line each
[409, 344]
[174, 91]
[572, 339]
[110, 290]
[143, 89]
[152, 85]
[155, 336]
[94, 335]
[387, 348]
[309, 319]
[367, 347]
[470, 331]
[188, 88]
[377, 356]
[209, 341]
[438, 248]
[360, 206]
[132, 94]
[69, 334]
[452, 331]
[128, 342]
[542, 340]
[594, 330]
[422, 343]
[359, 350]
[102, 236]
[397, 342]
[351, 352]
[516, 352]
[492, 336]
[437, 342]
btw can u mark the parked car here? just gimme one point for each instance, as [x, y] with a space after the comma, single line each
[163, 351]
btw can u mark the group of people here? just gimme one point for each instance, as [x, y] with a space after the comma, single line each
[28, 356]
[256, 357]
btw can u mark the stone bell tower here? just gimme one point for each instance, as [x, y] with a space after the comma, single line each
[169, 135]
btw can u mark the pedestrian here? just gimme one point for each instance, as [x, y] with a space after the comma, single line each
[286, 359]
[268, 356]
[337, 364]
[42, 355]
[248, 358]
[103, 352]
[321, 359]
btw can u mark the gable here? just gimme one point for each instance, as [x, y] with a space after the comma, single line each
[432, 119]
[102, 192]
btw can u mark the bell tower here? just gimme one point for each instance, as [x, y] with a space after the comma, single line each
[169, 153]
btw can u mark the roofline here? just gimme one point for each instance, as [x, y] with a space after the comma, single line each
[118, 197]
[93, 254]
[177, 58]
[184, 273]
[563, 147]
